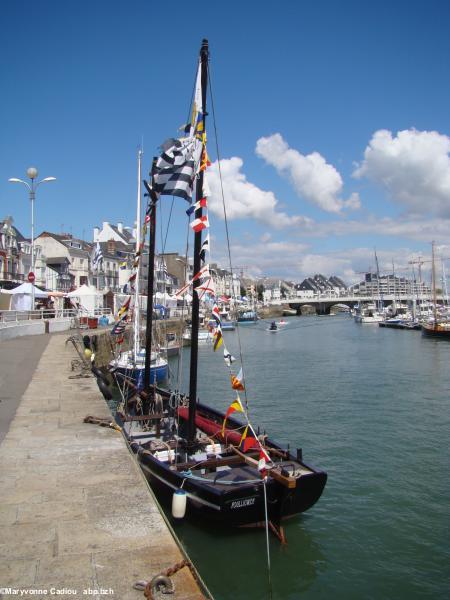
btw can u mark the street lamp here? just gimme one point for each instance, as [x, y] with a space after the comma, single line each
[32, 173]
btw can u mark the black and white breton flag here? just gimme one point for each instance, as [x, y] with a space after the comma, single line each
[98, 256]
[175, 169]
[163, 268]
[205, 248]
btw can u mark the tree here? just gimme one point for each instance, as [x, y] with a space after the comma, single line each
[260, 289]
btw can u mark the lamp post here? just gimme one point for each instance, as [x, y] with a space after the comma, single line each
[32, 173]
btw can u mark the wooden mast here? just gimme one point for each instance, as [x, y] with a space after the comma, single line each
[433, 279]
[137, 309]
[150, 285]
[196, 266]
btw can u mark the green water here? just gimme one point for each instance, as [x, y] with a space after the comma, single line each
[371, 406]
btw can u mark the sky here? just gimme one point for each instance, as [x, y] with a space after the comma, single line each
[330, 120]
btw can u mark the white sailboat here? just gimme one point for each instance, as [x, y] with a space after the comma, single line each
[131, 363]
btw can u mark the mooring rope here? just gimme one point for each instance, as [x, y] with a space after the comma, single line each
[267, 540]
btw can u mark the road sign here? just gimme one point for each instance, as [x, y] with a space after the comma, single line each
[31, 277]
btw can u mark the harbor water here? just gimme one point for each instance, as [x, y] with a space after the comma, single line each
[370, 406]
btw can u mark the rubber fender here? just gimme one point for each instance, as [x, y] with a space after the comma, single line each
[106, 392]
[99, 374]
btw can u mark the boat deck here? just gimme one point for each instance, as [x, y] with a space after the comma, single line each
[238, 475]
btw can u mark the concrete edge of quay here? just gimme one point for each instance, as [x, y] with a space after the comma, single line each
[76, 513]
[8, 331]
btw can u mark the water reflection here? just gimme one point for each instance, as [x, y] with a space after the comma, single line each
[234, 562]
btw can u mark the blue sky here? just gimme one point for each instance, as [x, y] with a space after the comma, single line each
[332, 123]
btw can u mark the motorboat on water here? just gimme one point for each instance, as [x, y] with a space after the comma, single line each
[203, 336]
[367, 314]
[273, 327]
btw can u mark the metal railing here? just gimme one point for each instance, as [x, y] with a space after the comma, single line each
[20, 316]
[9, 276]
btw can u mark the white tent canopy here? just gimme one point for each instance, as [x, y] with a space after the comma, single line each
[88, 298]
[165, 299]
[22, 296]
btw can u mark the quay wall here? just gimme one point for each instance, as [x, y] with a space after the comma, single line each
[8, 331]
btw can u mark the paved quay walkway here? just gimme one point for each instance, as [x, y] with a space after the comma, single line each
[18, 360]
[76, 514]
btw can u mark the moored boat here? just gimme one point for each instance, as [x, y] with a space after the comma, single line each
[434, 329]
[367, 314]
[247, 317]
[132, 366]
[209, 463]
[437, 327]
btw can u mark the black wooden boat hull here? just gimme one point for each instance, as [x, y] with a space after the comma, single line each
[430, 330]
[239, 505]
[242, 507]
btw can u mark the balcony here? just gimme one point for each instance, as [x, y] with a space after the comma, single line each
[8, 276]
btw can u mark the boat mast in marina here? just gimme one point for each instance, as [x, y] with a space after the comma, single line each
[439, 327]
[153, 199]
[197, 245]
[209, 464]
[137, 308]
[433, 283]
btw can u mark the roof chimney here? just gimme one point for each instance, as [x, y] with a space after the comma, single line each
[120, 227]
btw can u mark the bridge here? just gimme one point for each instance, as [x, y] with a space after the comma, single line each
[323, 304]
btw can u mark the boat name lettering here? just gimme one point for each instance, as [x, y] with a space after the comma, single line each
[242, 503]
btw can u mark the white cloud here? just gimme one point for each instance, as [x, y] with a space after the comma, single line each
[266, 237]
[295, 261]
[312, 177]
[242, 198]
[413, 166]
[412, 228]
[279, 258]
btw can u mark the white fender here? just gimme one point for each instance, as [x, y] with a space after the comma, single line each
[179, 500]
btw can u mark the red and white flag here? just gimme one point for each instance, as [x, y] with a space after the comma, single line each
[262, 463]
[206, 287]
[199, 224]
